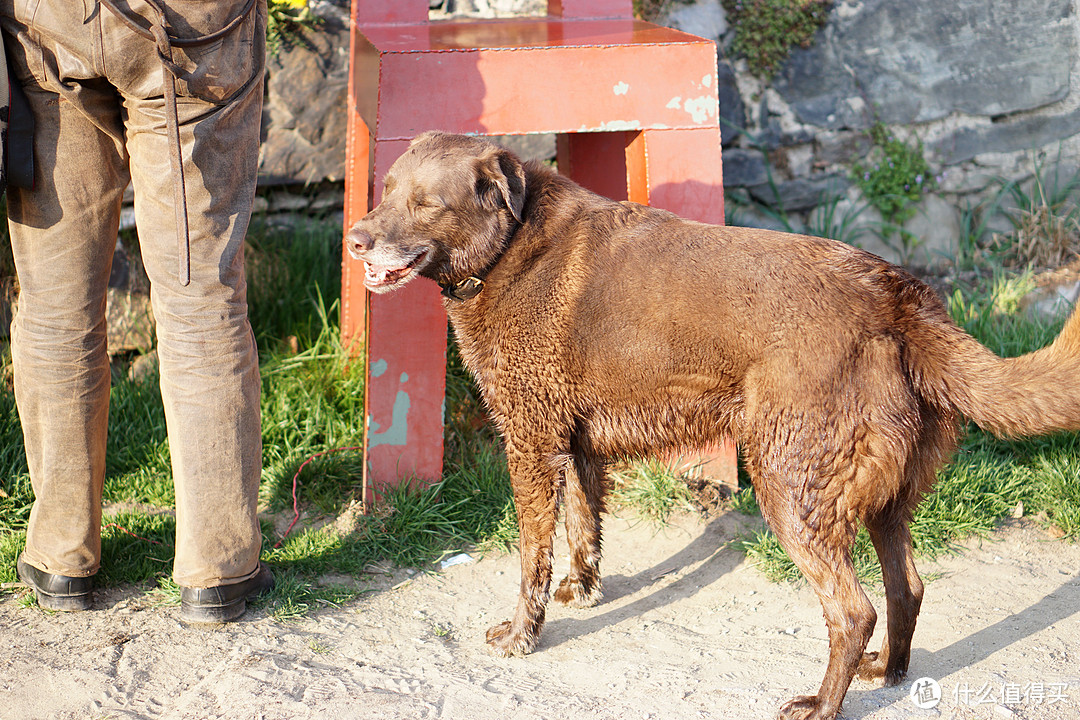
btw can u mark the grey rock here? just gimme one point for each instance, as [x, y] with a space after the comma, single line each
[144, 367]
[743, 168]
[705, 18]
[843, 219]
[539, 146]
[305, 118]
[755, 217]
[916, 62]
[1009, 135]
[936, 224]
[842, 148]
[801, 193]
[129, 321]
[732, 107]
[933, 234]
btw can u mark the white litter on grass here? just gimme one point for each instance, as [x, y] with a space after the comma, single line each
[461, 559]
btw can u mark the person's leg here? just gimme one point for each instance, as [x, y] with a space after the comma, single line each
[209, 365]
[63, 232]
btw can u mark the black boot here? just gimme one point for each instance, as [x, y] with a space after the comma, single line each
[56, 592]
[223, 603]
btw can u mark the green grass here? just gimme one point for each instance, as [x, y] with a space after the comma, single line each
[651, 490]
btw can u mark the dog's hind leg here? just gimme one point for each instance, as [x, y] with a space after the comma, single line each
[903, 592]
[585, 489]
[817, 534]
[889, 531]
[534, 481]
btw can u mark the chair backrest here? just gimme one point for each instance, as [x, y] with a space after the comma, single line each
[391, 12]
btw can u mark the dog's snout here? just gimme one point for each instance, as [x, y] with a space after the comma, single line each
[359, 241]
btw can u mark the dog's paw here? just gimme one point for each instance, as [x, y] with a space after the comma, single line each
[804, 707]
[873, 667]
[577, 594]
[504, 642]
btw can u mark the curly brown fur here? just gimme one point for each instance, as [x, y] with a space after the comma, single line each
[609, 330]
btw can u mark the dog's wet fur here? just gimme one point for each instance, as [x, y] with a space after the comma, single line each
[601, 330]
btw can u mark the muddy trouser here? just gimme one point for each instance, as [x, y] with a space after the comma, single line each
[96, 91]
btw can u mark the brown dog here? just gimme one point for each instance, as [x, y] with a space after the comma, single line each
[600, 330]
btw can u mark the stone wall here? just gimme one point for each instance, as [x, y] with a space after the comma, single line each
[985, 85]
[304, 120]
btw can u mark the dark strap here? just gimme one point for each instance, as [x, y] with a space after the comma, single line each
[467, 289]
[20, 139]
[170, 73]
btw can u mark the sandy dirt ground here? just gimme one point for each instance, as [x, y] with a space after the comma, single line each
[687, 629]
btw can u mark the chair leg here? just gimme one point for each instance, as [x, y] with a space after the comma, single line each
[402, 338]
[665, 159]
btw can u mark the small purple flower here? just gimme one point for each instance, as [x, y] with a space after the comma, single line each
[918, 179]
[866, 176]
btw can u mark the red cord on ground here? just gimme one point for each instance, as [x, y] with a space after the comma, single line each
[295, 484]
[128, 532]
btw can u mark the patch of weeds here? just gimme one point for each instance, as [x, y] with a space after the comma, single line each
[894, 180]
[290, 272]
[442, 631]
[974, 223]
[286, 22]
[744, 502]
[165, 594]
[295, 595]
[12, 543]
[652, 490]
[1046, 221]
[312, 403]
[319, 648]
[991, 314]
[16, 493]
[1057, 502]
[767, 30]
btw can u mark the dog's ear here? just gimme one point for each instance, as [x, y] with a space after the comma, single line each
[500, 181]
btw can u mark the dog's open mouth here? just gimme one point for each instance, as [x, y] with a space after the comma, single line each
[385, 277]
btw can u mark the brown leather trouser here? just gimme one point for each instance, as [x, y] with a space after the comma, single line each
[96, 91]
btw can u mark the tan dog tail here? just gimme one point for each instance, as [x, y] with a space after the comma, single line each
[1033, 394]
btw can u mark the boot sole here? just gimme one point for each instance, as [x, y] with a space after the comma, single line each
[212, 614]
[63, 603]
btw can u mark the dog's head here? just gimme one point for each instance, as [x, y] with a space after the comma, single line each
[448, 206]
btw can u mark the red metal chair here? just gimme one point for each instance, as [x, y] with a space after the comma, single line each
[634, 107]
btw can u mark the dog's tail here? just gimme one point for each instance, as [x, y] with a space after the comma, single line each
[1033, 394]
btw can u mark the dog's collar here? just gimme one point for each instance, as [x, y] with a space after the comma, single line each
[473, 285]
[467, 289]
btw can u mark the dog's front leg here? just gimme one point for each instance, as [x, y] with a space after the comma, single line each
[533, 478]
[585, 490]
